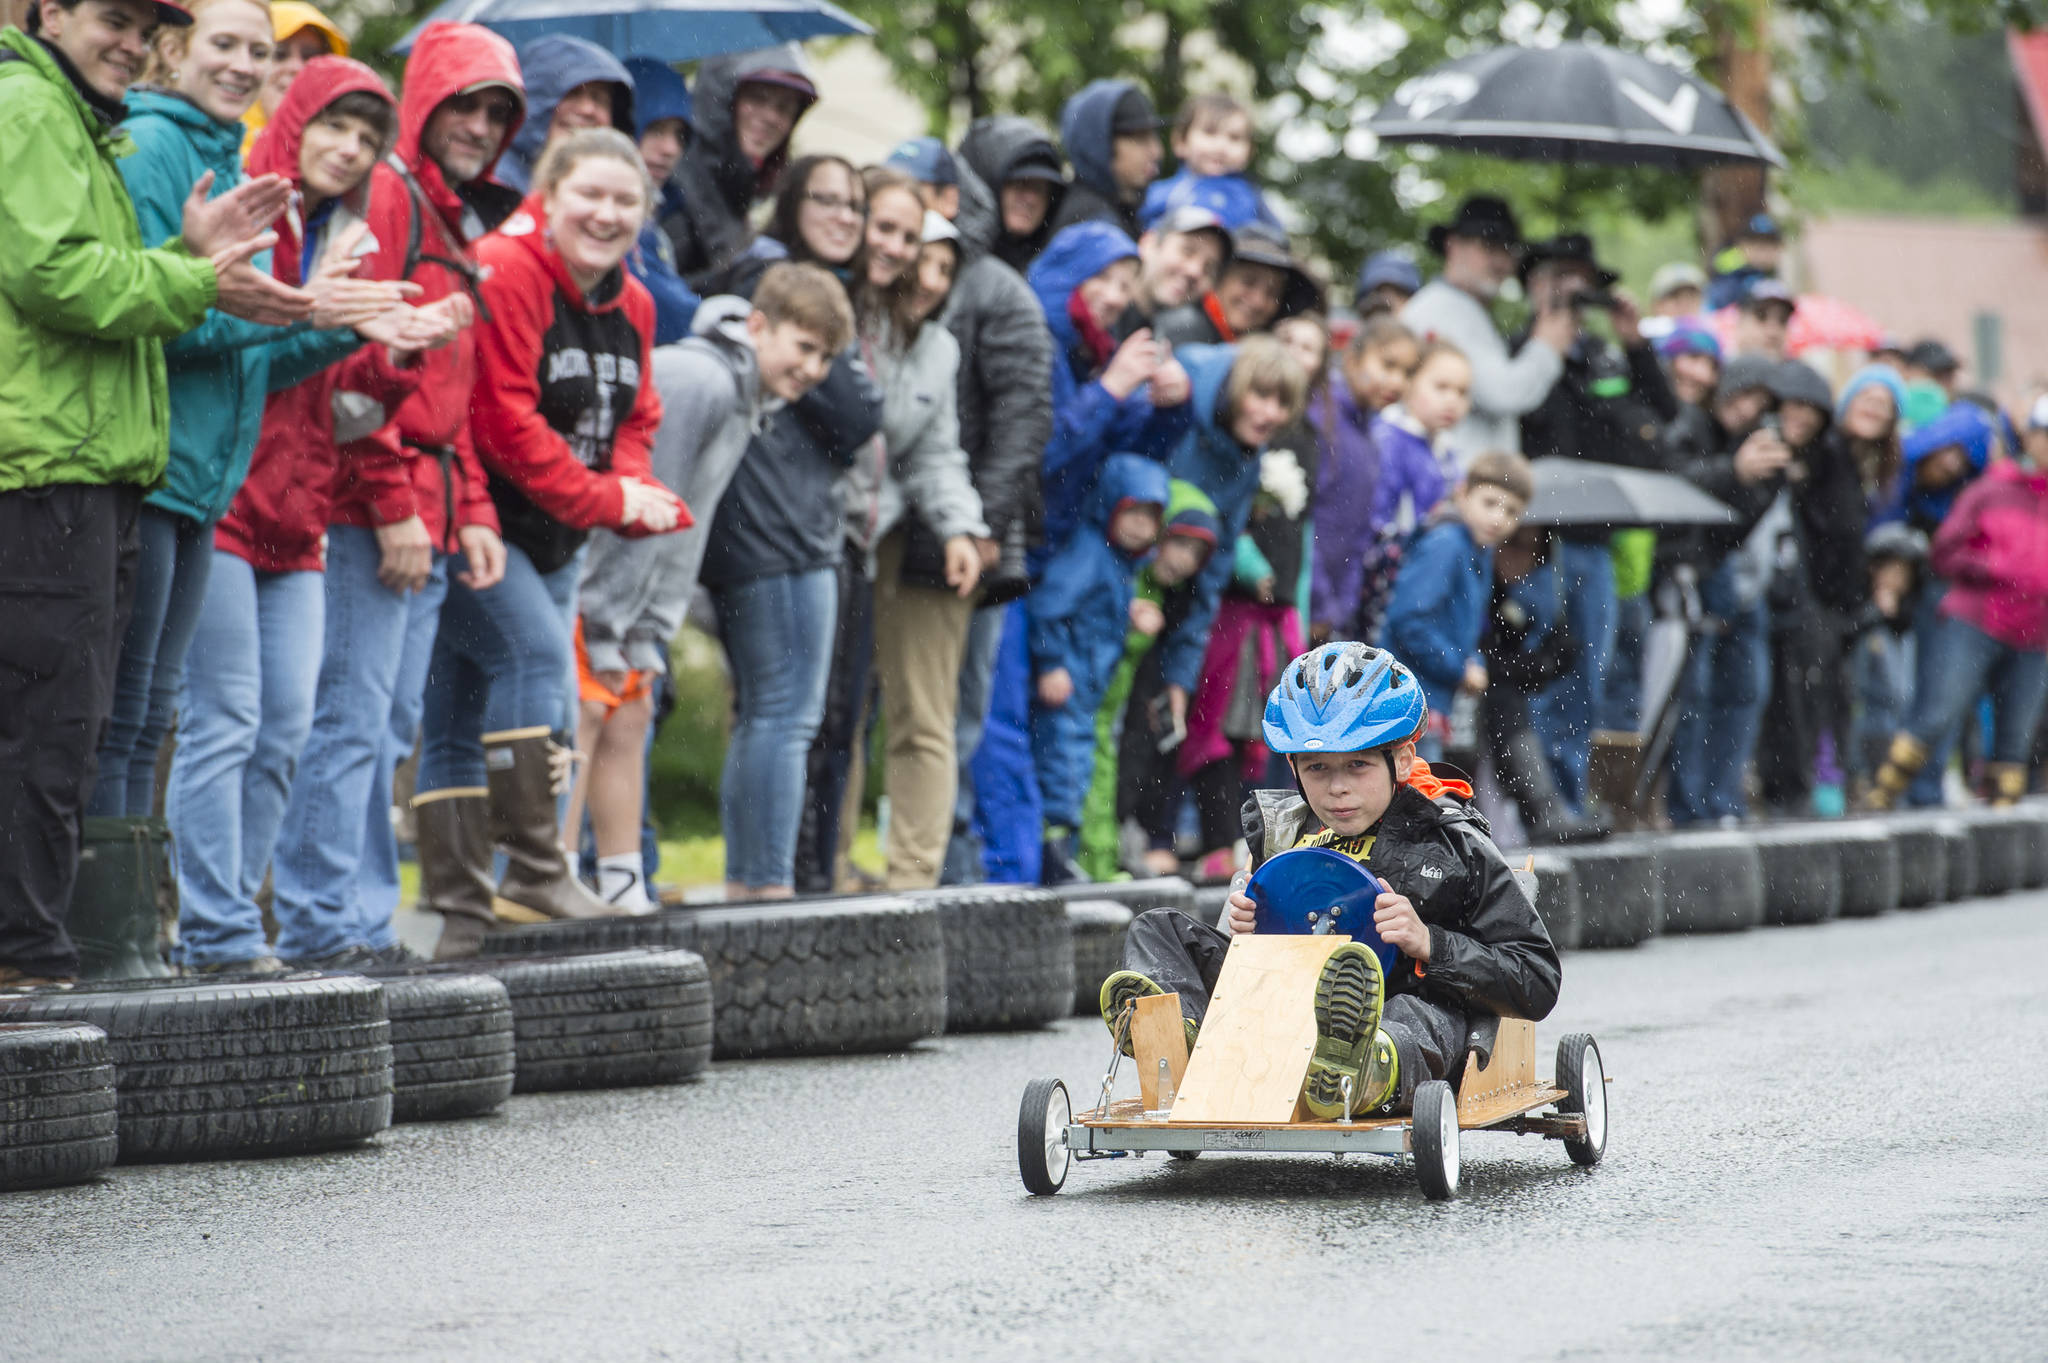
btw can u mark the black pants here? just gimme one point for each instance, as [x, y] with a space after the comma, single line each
[67, 583]
[844, 723]
[1185, 957]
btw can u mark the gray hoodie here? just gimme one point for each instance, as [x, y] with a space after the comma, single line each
[916, 460]
[635, 593]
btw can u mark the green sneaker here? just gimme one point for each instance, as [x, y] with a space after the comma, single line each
[1123, 990]
[1382, 1075]
[1350, 994]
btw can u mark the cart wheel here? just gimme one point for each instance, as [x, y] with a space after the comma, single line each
[1185, 1154]
[1435, 1135]
[1042, 1154]
[1584, 1081]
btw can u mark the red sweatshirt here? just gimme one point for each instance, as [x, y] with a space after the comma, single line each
[425, 463]
[279, 517]
[1993, 550]
[565, 402]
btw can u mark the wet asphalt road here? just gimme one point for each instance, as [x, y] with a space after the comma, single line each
[1826, 1143]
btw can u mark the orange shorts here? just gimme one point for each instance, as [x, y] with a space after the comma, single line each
[639, 684]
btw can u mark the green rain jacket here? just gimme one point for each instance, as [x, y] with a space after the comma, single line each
[84, 309]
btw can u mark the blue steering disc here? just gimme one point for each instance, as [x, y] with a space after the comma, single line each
[1312, 890]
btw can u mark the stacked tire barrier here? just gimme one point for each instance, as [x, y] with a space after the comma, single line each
[1099, 927]
[452, 1044]
[58, 1112]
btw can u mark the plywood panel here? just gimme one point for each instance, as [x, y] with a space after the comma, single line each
[1157, 1034]
[1260, 1031]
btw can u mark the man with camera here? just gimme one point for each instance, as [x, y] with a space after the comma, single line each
[1610, 405]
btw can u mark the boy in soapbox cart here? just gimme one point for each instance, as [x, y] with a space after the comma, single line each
[1471, 948]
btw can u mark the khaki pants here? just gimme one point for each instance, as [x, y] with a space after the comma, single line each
[920, 647]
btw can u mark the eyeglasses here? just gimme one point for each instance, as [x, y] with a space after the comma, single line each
[499, 110]
[836, 203]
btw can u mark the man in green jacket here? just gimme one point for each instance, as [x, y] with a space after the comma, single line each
[84, 419]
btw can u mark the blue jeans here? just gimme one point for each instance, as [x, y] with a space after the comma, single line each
[970, 717]
[1968, 662]
[1563, 713]
[248, 704]
[170, 588]
[778, 638]
[1722, 693]
[336, 869]
[1621, 690]
[504, 658]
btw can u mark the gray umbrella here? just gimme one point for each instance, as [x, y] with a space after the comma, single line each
[1573, 102]
[1578, 492]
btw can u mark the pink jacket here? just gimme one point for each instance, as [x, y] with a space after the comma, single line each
[1993, 548]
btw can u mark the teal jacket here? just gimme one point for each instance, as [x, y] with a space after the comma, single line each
[84, 309]
[222, 369]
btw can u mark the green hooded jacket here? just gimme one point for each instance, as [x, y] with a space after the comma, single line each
[84, 309]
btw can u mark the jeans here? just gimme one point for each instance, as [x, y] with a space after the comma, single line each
[970, 717]
[1621, 688]
[1564, 712]
[1967, 662]
[777, 632]
[67, 574]
[248, 705]
[1721, 695]
[170, 587]
[336, 866]
[1925, 791]
[504, 658]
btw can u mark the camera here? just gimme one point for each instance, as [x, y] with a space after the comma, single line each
[1597, 300]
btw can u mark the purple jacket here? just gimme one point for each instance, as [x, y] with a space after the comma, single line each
[1345, 532]
[1408, 468]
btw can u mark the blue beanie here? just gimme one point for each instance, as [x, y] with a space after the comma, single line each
[1879, 374]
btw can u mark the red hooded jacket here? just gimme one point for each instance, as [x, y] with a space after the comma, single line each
[1993, 550]
[427, 465]
[279, 517]
[565, 402]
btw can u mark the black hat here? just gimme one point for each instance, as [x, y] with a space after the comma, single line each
[1934, 357]
[1483, 218]
[1258, 243]
[1134, 114]
[1576, 247]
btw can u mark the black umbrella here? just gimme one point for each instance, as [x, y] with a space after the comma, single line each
[1573, 102]
[1578, 492]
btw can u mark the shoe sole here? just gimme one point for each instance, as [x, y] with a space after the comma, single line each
[1350, 996]
[1118, 992]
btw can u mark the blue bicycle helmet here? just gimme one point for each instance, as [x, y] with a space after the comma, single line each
[1344, 697]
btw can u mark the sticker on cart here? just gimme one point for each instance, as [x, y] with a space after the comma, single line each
[1233, 1140]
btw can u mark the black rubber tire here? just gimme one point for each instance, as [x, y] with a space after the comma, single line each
[1185, 1156]
[1872, 868]
[1802, 870]
[1959, 853]
[1158, 892]
[620, 1019]
[1580, 1073]
[452, 1044]
[1621, 898]
[2001, 843]
[1009, 957]
[206, 1069]
[1713, 882]
[1557, 897]
[1438, 1165]
[823, 977]
[59, 1119]
[2033, 819]
[1098, 929]
[1040, 1180]
[1923, 860]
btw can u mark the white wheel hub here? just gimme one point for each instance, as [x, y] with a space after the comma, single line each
[1447, 1140]
[1058, 1112]
[1593, 1097]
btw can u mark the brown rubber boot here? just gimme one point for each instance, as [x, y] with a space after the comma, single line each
[1901, 765]
[455, 865]
[2008, 783]
[538, 883]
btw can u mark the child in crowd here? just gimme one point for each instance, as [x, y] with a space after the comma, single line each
[1135, 733]
[1692, 358]
[1883, 661]
[1078, 618]
[1212, 143]
[1417, 464]
[1349, 571]
[1471, 943]
[1446, 586]
[717, 386]
[1940, 457]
